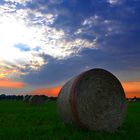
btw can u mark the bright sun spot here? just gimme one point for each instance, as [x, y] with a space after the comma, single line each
[13, 32]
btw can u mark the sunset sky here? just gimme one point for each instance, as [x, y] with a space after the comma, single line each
[43, 43]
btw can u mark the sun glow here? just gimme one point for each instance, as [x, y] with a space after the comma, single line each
[132, 88]
[14, 32]
[52, 91]
[7, 83]
[5, 72]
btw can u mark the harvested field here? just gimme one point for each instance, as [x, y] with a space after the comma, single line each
[19, 121]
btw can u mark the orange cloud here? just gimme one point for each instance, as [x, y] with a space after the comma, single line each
[48, 91]
[7, 83]
[131, 89]
[6, 71]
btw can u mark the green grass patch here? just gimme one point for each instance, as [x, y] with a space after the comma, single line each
[20, 121]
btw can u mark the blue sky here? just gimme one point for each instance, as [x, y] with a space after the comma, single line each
[46, 42]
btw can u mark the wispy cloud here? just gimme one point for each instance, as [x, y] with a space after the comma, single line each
[113, 2]
[18, 1]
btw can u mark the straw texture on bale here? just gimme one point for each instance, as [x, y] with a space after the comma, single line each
[94, 100]
[37, 99]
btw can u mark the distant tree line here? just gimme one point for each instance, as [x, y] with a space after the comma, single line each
[135, 99]
[11, 97]
[20, 97]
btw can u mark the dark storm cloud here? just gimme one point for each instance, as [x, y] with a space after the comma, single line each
[114, 26]
[58, 71]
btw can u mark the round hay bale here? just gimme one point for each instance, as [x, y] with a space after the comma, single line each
[37, 99]
[94, 100]
[26, 98]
